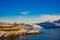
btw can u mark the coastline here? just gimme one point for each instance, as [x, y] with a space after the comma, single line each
[14, 30]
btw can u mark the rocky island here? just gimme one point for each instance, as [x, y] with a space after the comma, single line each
[13, 30]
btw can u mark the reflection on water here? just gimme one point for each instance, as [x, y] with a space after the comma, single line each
[47, 34]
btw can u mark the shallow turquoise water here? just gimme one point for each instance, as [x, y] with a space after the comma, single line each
[47, 34]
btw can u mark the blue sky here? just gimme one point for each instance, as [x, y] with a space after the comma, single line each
[28, 8]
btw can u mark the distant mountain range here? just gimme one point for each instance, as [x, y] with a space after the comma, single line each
[48, 24]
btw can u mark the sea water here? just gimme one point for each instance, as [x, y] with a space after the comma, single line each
[47, 34]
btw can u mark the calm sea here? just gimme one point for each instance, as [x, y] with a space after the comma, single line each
[47, 34]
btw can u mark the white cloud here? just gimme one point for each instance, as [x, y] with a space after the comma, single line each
[50, 17]
[29, 19]
[43, 18]
[25, 12]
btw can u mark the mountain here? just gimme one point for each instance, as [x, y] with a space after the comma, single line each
[47, 24]
[57, 21]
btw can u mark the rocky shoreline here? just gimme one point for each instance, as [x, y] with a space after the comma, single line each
[14, 34]
[13, 30]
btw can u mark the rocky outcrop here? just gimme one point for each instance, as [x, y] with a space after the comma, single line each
[13, 30]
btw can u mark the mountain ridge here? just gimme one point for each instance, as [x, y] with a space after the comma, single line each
[48, 24]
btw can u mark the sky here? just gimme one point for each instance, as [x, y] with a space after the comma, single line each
[29, 11]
